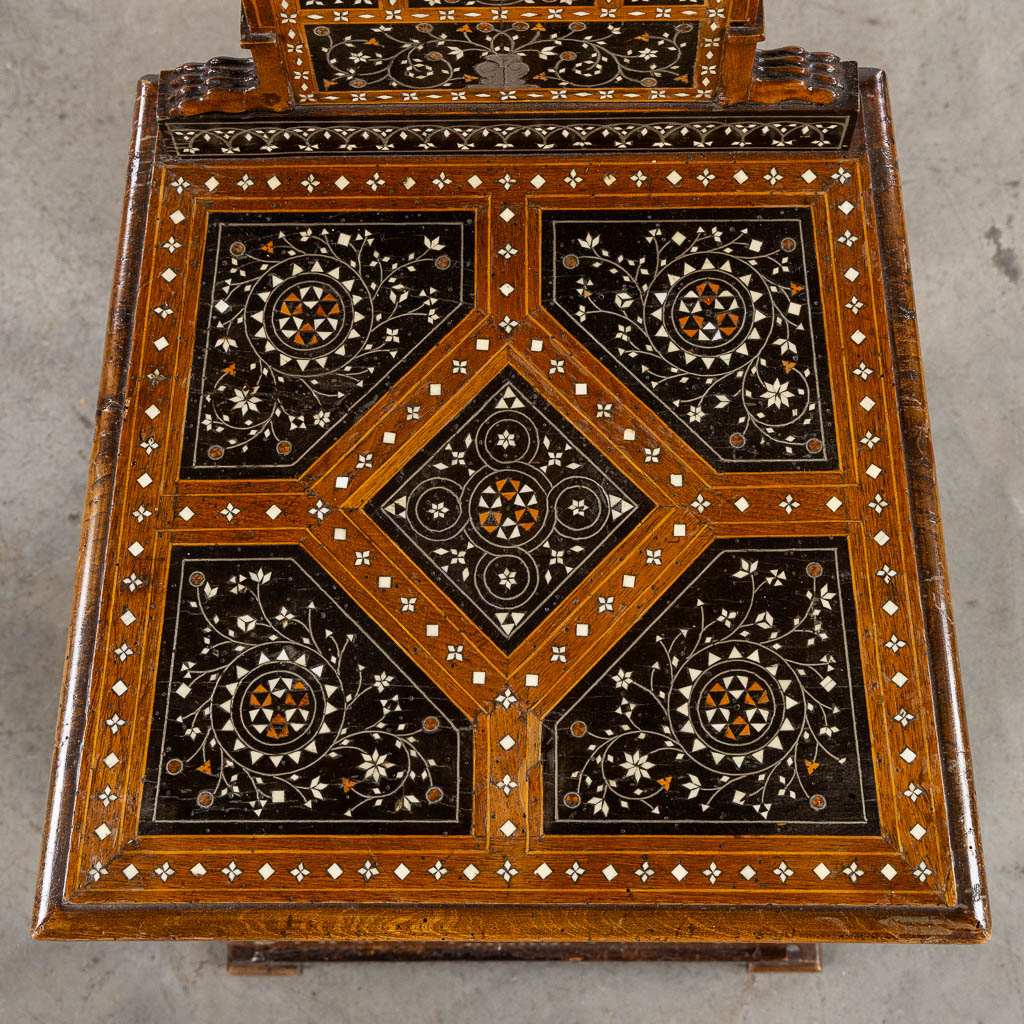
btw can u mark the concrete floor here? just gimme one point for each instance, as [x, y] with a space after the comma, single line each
[956, 67]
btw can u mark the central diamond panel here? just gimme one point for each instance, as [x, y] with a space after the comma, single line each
[508, 509]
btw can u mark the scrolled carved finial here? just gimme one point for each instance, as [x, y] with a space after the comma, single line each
[233, 85]
[791, 73]
[220, 83]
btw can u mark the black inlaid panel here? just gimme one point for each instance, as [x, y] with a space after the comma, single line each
[504, 56]
[711, 317]
[280, 707]
[508, 508]
[737, 704]
[645, 132]
[306, 321]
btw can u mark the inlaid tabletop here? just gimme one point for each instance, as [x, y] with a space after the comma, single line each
[502, 538]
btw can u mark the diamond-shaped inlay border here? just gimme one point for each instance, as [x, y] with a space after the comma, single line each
[508, 507]
[431, 629]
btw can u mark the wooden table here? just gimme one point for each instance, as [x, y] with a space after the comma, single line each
[512, 527]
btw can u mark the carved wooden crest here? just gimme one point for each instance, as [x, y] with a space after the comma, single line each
[463, 55]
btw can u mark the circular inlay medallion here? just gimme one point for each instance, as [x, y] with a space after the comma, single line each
[437, 509]
[277, 716]
[581, 507]
[507, 508]
[278, 708]
[304, 320]
[508, 437]
[309, 313]
[738, 709]
[709, 312]
[706, 315]
[509, 580]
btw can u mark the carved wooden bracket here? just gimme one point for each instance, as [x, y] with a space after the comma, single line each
[234, 85]
[769, 77]
[792, 73]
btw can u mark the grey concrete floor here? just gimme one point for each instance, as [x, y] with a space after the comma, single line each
[69, 66]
